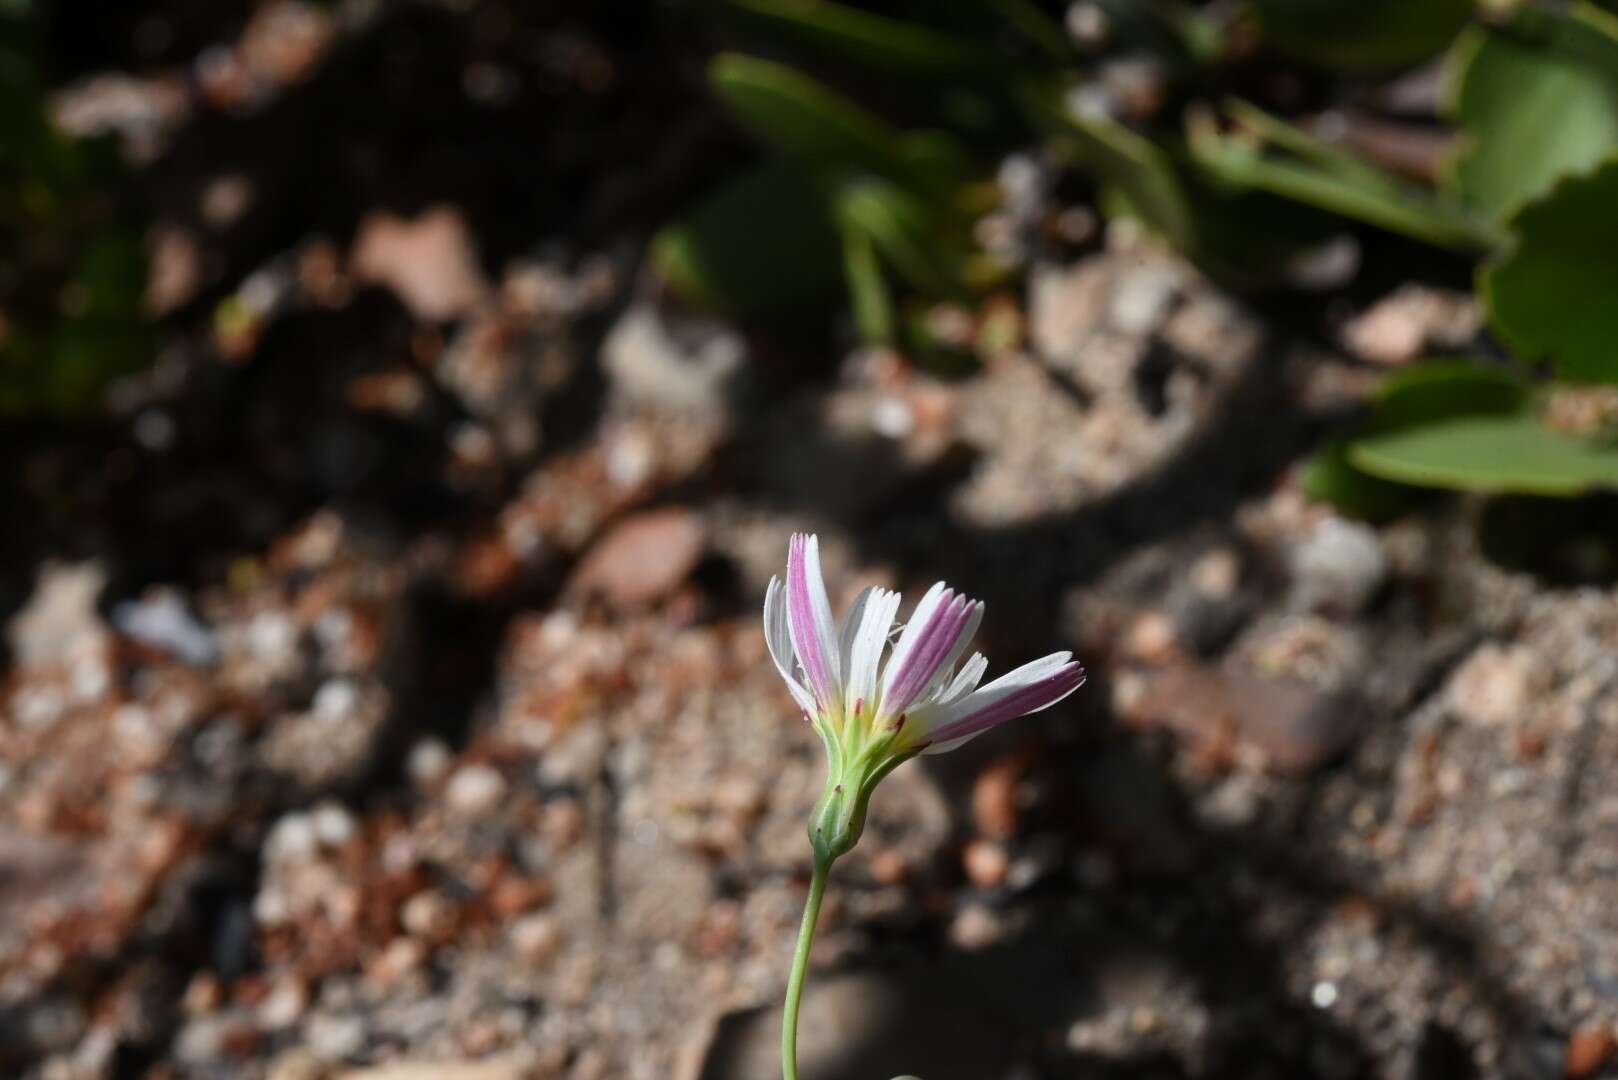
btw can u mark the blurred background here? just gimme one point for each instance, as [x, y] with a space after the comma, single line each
[403, 404]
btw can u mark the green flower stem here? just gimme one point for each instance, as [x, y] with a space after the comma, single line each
[800, 967]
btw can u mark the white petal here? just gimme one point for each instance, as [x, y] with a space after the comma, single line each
[779, 640]
[865, 648]
[913, 628]
[851, 627]
[1002, 688]
[1029, 689]
[946, 747]
[966, 681]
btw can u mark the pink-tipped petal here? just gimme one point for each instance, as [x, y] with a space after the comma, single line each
[1032, 687]
[918, 663]
[963, 638]
[779, 639]
[809, 621]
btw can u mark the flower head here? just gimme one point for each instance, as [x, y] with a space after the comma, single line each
[876, 706]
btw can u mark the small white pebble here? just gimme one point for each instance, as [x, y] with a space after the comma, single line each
[333, 824]
[474, 790]
[336, 699]
[292, 839]
[333, 1038]
[892, 417]
[429, 761]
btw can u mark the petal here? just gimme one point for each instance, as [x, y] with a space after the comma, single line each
[974, 619]
[1032, 687]
[864, 642]
[966, 681]
[930, 644]
[918, 618]
[814, 635]
[779, 640]
[851, 626]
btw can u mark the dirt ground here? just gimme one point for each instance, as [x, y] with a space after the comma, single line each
[387, 696]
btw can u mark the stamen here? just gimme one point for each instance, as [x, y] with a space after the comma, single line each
[899, 723]
[859, 704]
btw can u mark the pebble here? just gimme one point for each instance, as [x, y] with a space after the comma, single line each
[1494, 686]
[1293, 727]
[336, 699]
[994, 798]
[293, 838]
[1412, 318]
[1338, 568]
[1141, 297]
[1151, 638]
[688, 365]
[475, 790]
[333, 825]
[741, 796]
[445, 1070]
[203, 1038]
[284, 1004]
[402, 955]
[1588, 1049]
[296, 1063]
[428, 262]
[272, 639]
[160, 620]
[643, 558]
[429, 762]
[536, 938]
[429, 916]
[333, 1038]
[889, 867]
[985, 862]
[563, 822]
[60, 616]
[975, 927]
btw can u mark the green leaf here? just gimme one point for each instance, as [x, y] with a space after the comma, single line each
[1552, 294]
[1414, 399]
[1330, 477]
[1446, 389]
[867, 292]
[1513, 454]
[761, 245]
[1361, 34]
[903, 228]
[1243, 237]
[804, 118]
[1535, 101]
[1142, 174]
[875, 40]
[1315, 174]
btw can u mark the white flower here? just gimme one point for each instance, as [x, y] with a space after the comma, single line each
[918, 697]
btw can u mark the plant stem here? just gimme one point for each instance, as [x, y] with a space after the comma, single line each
[800, 967]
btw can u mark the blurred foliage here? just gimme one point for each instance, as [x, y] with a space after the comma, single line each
[72, 263]
[1361, 34]
[1535, 100]
[1551, 294]
[846, 195]
[1529, 189]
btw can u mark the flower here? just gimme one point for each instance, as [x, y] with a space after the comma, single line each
[872, 715]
